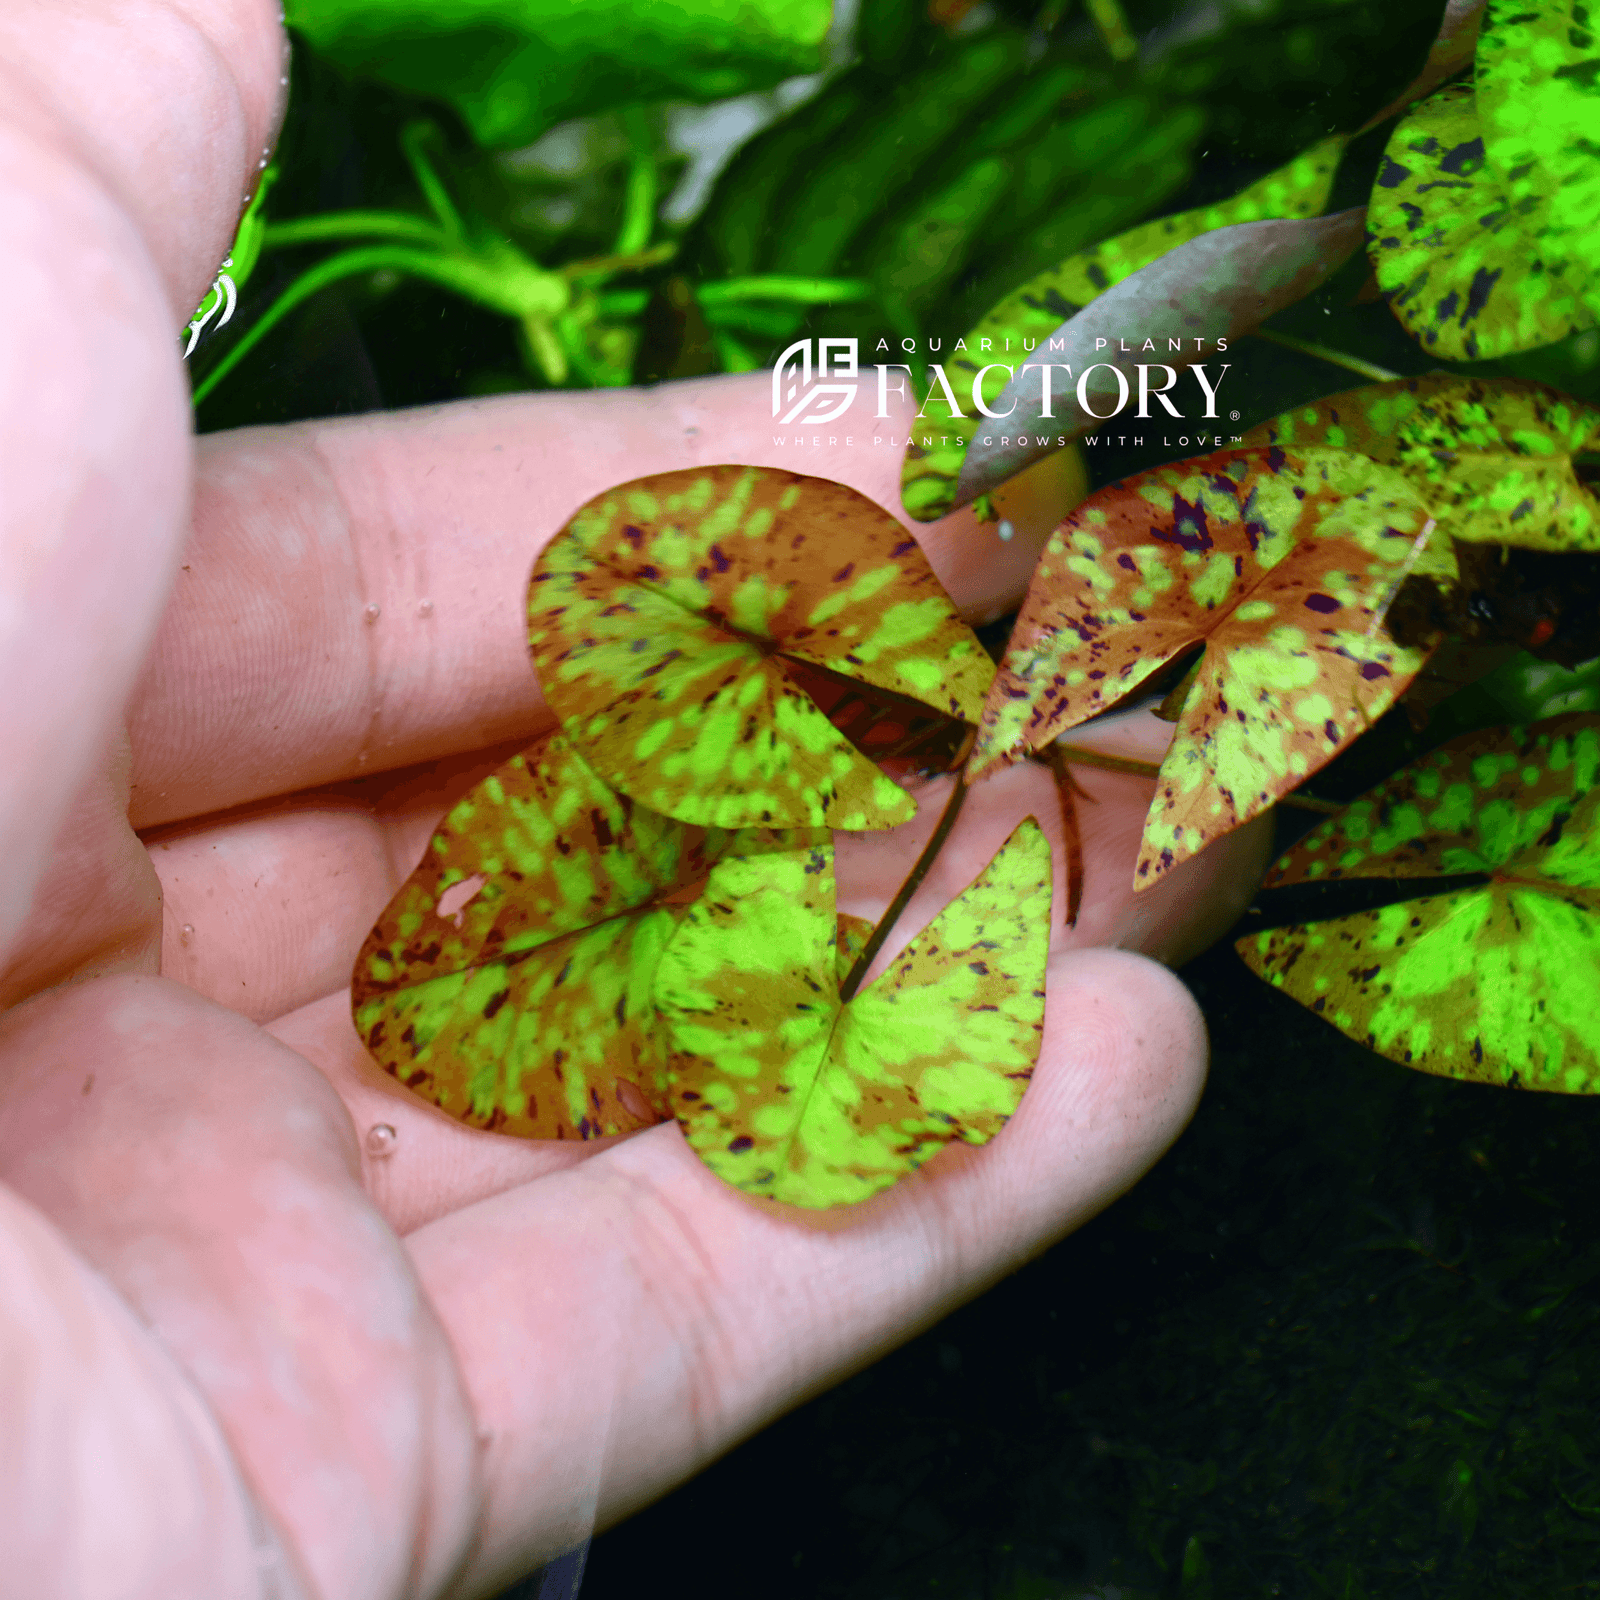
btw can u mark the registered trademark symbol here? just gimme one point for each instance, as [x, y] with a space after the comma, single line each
[1234, 415]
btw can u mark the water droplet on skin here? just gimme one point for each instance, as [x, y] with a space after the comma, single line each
[382, 1140]
[373, 612]
[425, 608]
[186, 933]
[1006, 530]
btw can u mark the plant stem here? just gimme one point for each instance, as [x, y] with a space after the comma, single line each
[639, 198]
[1337, 358]
[930, 854]
[412, 138]
[466, 277]
[607, 266]
[1080, 757]
[774, 286]
[397, 225]
[1104, 763]
[1112, 26]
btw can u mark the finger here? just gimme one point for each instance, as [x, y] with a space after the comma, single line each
[352, 598]
[266, 908]
[97, 905]
[683, 1316]
[416, 1163]
[107, 1444]
[171, 107]
[122, 133]
[209, 1174]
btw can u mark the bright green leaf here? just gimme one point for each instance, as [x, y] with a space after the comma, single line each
[662, 617]
[1538, 82]
[514, 68]
[1492, 455]
[1280, 565]
[1495, 984]
[1454, 253]
[787, 1093]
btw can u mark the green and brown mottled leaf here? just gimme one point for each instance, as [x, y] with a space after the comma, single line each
[1538, 82]
[1496, 983]
[661, 617]
[788, 1093]
[509, 979]
[1456, 256]
[1280, 565]
[1036, 311]
[1494, 456]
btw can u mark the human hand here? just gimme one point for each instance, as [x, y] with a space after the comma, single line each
[385, 1375]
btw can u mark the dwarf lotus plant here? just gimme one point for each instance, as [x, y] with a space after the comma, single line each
[635, 920]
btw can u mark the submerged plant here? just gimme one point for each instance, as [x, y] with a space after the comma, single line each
[650, 929]
[635, 920]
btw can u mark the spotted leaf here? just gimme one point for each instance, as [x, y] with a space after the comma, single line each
[1456, 255]
[786, 1092]
[1034, 312]
[662, 617]
[1280, 565]
[1538, 83]
[1494, 456]
[1495, 983]
[509, 980]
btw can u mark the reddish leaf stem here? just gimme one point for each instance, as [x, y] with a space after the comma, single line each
[930, 854]
[1151, 769]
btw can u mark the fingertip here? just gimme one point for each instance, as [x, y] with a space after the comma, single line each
[1136, 1015]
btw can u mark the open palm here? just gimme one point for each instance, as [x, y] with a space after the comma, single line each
[264, 1346]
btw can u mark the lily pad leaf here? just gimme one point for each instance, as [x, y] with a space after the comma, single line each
[1494, 456]
[509, 980]
[1456, 254]
[1495, 983]
[786, 1092]
[1538, 85]
[1035, 312]
[1280, 565]
[661, 619]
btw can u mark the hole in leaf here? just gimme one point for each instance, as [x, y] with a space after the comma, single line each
[456, 898]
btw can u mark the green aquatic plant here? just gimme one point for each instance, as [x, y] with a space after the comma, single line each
[635, 919]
